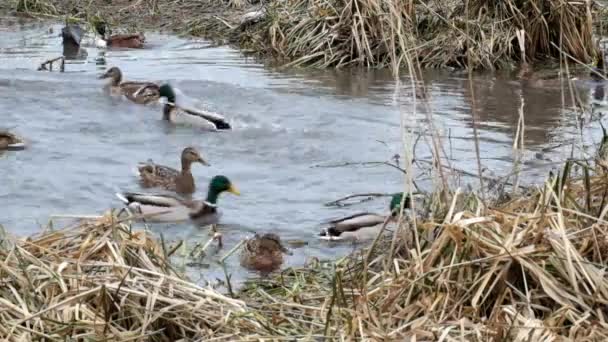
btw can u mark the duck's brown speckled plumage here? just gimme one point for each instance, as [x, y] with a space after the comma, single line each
[138, 92]
[263, 253]
[182, 182]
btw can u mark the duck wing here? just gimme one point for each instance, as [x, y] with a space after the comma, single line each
[153, 170]
[352, 223]
[217, 120]
[10, 141]
[157, 208]
[205, 214]
[157, 200]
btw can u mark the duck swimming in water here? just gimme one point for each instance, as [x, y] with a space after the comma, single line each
[169, 208]
[139, 92]
[263, 253]
[363, 225]
[182, 182]
[134, 40]
[175, 114]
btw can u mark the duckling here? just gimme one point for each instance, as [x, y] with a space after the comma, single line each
[138, 92]
[182, 182]
[176, 114]
[135, 40]
[364, 225]
[169, 208]
[10, 141]
[263, 253]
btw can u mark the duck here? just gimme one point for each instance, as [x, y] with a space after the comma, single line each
[598, 70]
[365, 225]
[133, 40]
[182, 182]
[71, 34]
[263, 253]
[176, 114]
[10, 141]
[171, 208]
[138, 92]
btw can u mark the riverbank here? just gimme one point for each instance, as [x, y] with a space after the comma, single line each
[531, 267]
[345, 33]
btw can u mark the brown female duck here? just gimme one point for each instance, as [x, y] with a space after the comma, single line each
[182, 182]
[10, 141]
[263, 253]
[138, 92]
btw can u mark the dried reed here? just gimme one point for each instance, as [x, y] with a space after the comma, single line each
[98, 280]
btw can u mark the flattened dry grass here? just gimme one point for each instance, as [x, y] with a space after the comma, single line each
[99, 281]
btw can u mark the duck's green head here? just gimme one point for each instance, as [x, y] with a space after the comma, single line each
[100, 26]
[218, 185]
[166, 90]
[395, 204]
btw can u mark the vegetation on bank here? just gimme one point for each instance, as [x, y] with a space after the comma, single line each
[336, 33]
[532, 268]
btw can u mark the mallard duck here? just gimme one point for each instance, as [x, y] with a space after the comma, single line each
[174, 113]
[263, 253]
[138, 92]
[363, 225]
[134, 40]
[10, 141]
[71, 34]
[169, 208]
[182, 182]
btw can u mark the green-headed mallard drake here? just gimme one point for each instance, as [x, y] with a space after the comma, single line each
[134, 40]
[363, 225]
[10, 141]
[138, 92]
[169, 208]
[176, 114]
[263, 253]
[182, 182]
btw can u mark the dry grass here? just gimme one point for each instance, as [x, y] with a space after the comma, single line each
[337, 33]
[532, 269]
[99, 281]
[440, 33]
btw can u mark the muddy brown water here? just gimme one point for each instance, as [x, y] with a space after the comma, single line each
[84, 144]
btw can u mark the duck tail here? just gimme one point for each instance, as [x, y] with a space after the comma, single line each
[122, 198]
[329, 233]
[136, 171]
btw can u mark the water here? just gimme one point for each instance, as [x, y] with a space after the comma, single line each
[84, 144]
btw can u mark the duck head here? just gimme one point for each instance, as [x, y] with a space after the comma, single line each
[395, 204]
[217, 185]
[101, 27]
[114, 74]
[191, 155]
[167, 92]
